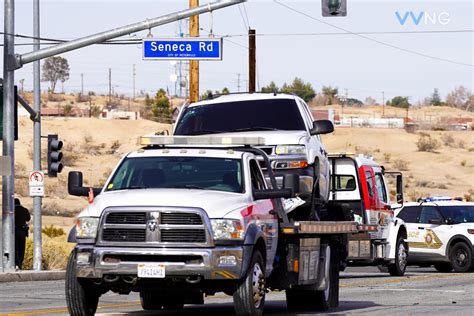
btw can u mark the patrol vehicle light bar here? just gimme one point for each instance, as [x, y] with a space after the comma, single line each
[200, 140]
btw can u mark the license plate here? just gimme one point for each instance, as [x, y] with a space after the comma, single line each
[151, 270]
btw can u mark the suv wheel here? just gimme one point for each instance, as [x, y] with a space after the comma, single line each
[460, 257]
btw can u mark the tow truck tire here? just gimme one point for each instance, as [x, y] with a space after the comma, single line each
[81, 296]
[311, 300]
[460, 256]
[401, 253]
[443, 267]
[249, 298]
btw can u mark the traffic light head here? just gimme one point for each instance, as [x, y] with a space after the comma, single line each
[54, 155]
[334, 7]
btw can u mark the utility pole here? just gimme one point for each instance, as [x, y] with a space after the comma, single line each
[252, 60]
[37, 200]
[110, 86]
[383, 103]
[82, 83]
[134, 74]
[193, 64]
[8, 183]
[238, 82]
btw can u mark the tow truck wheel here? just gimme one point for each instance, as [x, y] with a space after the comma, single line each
[401, 253]
[249, 297]
[443, 267]
[461, 257]
[82, 297]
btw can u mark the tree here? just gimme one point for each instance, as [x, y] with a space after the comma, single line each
[370, 101]
[300, 88]
[330, 93]
[435, 98]
[207, 94]
[55, 68]
[272, 87]
[400, 102]
[225, 91]
[460, 98]
[161, 108]
[354, 102]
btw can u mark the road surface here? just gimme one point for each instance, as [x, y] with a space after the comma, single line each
[364, 290]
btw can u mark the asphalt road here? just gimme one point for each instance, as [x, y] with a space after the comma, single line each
[364, 290]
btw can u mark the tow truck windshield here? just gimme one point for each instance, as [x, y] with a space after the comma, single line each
[255, 115]
[178, 173]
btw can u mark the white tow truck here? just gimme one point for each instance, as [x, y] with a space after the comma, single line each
[185, 217]
[359, 191]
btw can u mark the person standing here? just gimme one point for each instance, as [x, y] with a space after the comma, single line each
[22, 216]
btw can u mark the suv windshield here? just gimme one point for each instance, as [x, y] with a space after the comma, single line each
[178, 172]
[254, 115]
[459, 214]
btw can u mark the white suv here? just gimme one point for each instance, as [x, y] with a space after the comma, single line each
[291, 134]
[440, 233]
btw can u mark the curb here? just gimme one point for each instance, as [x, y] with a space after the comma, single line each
[26, 276]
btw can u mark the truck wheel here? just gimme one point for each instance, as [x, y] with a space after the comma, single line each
[311, 300]
[443, 267]
[461, 257]
[401, 253]
[82, 297]
[249, 297]
[156, 300]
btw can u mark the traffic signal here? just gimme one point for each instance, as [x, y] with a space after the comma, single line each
[334, 7]
[54, 155]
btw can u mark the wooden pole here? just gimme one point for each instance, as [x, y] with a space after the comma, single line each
[193, 64]
[252, 61]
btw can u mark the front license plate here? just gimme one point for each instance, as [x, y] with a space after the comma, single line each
[151, 270]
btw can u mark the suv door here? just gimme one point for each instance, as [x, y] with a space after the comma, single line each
[410, 215]
[427, 240]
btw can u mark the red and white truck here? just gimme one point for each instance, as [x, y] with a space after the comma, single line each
[359, 191]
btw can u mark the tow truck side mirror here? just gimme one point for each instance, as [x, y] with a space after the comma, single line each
[74, 185]
[322, 127]
[399, 189]
[292, 182]
[272, 194]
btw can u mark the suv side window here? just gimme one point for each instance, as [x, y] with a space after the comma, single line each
[258, 183]
[410, 214]
[428, 213]
[370, 186]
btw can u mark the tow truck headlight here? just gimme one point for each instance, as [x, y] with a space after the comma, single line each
[290, 150]
[86, 227]
[227, 229]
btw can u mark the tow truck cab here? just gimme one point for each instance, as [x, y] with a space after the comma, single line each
[359, 191]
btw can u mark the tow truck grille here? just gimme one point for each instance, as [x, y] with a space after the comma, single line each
[131, 235]
[154, 227]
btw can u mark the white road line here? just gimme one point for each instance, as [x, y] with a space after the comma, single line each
[417, 290]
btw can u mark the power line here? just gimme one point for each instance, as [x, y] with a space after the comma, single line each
[246, 26]
[372, 39]
[246, 16]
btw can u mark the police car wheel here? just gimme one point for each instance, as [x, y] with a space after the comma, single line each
[460, 257]
[82, 297]
[401, 253]
[249, 298]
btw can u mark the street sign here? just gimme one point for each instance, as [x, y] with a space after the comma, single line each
[182, 49]
[36, 181]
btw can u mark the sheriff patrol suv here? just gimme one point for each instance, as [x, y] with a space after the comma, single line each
[292, 136]
[440, 233]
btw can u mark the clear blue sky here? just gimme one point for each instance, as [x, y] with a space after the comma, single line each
[364, 67]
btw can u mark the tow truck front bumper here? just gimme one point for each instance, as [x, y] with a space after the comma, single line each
[218, 263]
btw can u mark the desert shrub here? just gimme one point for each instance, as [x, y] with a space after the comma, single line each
[461, 143]
[22, 187]
[463, 163]
[400, 164]
[422, 183]
[442, 186]
[55, 97]
[115, 144]
[56, 189]
[448, 140]
[89, 147]
[55, 253]
[53, 209]
[386, 157]
[426, 143]
[71, 155]
[52, 231]
[471, 149]
[20, 171]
